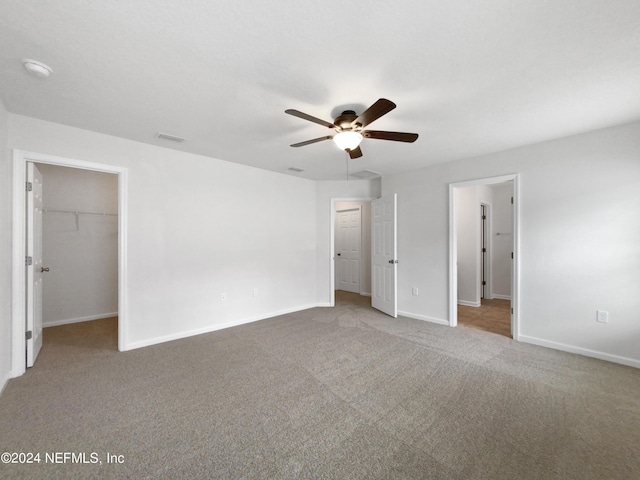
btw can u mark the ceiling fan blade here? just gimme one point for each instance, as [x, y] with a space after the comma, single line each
[299, 114]
[309, 142]
[355, 153]
[374, 112]
[395, 136]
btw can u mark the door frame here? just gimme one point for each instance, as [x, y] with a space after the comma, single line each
[453, 247]
[332, 236]
[486, 264]
[19, 294]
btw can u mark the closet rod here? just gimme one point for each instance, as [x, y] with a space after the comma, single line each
[79, 212]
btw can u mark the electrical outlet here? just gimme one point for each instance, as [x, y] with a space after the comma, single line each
[414, 291]
[223, 297]
[602, 316]
[255, 292]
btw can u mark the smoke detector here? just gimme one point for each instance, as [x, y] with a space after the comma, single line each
[36, 68]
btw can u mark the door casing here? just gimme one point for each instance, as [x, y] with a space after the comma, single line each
[332, 252]
[19, 294]
[453, 255]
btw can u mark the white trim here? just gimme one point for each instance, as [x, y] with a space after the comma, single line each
[453, 245]
[501, 297]
[20, 160]
[580, 351]
[67, 321]
[468, 304]
[417, 316]
[214, 328]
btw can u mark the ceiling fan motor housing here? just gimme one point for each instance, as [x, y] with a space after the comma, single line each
[344, 121]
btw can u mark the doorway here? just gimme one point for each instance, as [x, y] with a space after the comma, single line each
[21, 160]
[492, 240]
[80, 249]
[364, 268]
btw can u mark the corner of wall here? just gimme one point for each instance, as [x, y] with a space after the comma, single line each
[5, 249]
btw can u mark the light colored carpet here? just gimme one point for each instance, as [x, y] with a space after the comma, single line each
[332, 393]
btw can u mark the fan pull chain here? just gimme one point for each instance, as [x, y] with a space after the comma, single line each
[347, 156]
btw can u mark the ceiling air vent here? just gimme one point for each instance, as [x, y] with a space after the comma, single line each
[171, 138]
[366, 174]
[295, 169]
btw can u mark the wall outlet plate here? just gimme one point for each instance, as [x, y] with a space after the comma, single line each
[602, 316]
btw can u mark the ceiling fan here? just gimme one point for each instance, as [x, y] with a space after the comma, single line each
[349, 128]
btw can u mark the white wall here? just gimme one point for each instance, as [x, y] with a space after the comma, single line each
[197, 227]
[579, 239]
[365, 244]
[501, 241]
[5, 251]
[326, 193]
[80, 251]
[468, 227]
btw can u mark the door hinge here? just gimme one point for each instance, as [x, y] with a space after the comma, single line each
[29, 186]
[484, 250]
[484, 217]
[484, 282]
[28, 261]
[511, 199]
[511, 310]
[511, 255]
[29, 335]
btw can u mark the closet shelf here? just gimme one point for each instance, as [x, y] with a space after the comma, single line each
[79, 212]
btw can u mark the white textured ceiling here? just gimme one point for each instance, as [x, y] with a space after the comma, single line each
[471, 77]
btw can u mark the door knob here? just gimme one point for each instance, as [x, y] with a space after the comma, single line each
[43, 269]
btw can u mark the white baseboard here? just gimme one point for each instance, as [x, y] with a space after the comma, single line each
[213, 328]
[580, 351]
[501, 297]
[417, 316]
[468, 304]
[66, 321]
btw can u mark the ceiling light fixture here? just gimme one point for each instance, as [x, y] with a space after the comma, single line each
[36, 68]
[348, 140]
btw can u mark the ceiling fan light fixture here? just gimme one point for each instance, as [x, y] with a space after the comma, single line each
[347, 140]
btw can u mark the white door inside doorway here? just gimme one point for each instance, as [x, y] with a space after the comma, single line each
[349, 251]
[35, 268]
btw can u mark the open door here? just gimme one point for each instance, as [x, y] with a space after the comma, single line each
[384, 261]
[34, 267]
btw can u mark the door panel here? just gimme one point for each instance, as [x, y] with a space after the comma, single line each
[35, 270]
[349, 249]
[384, 259]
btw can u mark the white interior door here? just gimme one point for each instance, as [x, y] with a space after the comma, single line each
[348, 256]
[384, 260]
[35, 268]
